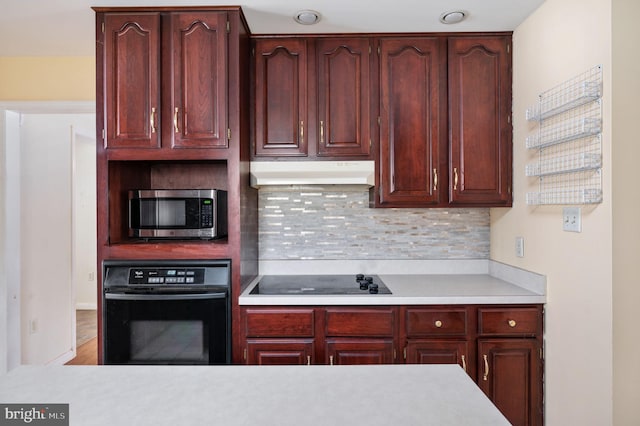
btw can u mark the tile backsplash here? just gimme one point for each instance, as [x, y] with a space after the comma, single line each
[335, 222]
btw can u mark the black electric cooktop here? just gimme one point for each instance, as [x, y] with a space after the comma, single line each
[359, 284]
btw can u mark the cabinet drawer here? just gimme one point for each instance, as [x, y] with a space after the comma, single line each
[510, 321]
[435, 322]
[279, 322]
[360, 322]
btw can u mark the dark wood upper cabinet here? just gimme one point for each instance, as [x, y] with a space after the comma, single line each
[198, 107]
[165, 76]
[438, 108]
[412, 120]
[445, 128]
[343, 97]
[479, 119]
[132, 51]
[312, 98]
[280, 91]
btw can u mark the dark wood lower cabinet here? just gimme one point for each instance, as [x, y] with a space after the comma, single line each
[360, 351]
[499, 346]
[280, 351]
[439, 352]
[509, 373]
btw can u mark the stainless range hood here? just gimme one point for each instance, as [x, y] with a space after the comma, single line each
[312, 173]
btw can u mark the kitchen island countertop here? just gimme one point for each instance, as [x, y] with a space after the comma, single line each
[440, 395]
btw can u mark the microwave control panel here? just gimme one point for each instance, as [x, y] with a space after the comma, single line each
[206, 213]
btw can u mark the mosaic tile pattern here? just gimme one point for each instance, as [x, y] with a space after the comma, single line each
[335, 222]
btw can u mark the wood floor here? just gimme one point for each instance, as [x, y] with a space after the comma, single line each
[86, 325]
[86, 340]
[86, 354]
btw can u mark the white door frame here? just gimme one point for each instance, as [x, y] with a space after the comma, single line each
[9, 290]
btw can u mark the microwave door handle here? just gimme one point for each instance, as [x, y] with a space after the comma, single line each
[131, 296]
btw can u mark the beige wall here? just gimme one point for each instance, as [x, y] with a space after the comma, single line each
[47, 78]
[562, 39]
[626, 213]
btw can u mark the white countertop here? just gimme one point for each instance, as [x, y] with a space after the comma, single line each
[418, 289]
[439, 395]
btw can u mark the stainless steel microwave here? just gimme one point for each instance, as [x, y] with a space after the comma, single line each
[178, 213]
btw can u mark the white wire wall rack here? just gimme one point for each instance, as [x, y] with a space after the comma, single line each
[568, 142]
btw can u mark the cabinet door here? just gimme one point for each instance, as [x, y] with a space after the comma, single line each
[198, 108]
[359, 351]
[279, 351]
[434, 351]
[343, 96]
[412, 119]
[280, 97]
[480, 109]
[132, 69]
[509, 372]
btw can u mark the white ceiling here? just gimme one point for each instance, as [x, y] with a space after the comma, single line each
[66, 27]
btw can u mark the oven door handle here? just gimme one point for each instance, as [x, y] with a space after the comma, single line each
[133, 296]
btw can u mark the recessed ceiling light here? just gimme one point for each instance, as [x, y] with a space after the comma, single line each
[453, 17]
[307, 17]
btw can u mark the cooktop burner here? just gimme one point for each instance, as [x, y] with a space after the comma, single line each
[321, 284]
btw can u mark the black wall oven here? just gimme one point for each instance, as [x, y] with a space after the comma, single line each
[166, 312]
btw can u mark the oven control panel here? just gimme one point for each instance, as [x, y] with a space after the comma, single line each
[174, 275]
[154, 276]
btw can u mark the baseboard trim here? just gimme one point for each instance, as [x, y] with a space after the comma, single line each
[86, 306]
[64, 358]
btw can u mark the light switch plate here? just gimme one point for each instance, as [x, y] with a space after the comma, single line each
[519, 246]
[572, 219]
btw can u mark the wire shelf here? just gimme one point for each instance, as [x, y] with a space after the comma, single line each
[564, 132]
[563, 98]
[580, 196]
[565, 164]
[568, 141]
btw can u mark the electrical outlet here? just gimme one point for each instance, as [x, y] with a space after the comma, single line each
[572, 219]
[519, 247]
[33, 326]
